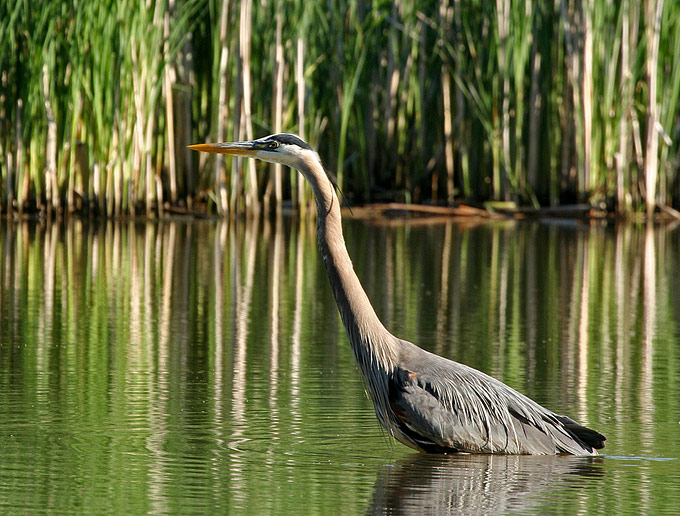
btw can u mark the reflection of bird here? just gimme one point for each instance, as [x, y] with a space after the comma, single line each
[427, 402]
[479, 484]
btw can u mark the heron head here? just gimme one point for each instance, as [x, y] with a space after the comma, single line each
[286, 149]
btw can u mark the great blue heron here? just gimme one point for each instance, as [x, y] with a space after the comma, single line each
[425, 401]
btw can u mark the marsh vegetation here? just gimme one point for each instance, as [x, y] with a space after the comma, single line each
[540, 103]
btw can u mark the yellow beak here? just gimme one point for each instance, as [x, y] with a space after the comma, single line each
[232, 148]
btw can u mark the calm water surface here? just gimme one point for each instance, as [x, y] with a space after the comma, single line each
[201, 367]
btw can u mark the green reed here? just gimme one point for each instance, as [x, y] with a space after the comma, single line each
[546, 103]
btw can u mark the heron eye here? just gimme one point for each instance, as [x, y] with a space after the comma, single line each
[274, 145]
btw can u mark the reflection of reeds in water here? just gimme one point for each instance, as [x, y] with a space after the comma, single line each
[582, 291]
[242, 295]
[220, 277]
[443, 301]
[135, 315]
[296, 344]
[276, 279]
[649, 301]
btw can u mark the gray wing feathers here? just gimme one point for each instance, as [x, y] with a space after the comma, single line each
[452, 406]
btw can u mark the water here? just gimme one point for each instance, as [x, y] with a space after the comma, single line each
[201, 367]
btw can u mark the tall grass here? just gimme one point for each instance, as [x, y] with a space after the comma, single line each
[462, 100]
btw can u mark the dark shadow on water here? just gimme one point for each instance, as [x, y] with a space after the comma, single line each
[477, 484]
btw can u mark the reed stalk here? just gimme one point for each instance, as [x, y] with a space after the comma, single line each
[587, 96]
[535, 112]
[169, 78]
[653, 10]
[503, 162]
[52, 187]
[446, 19]
[670, 106]
[300, 83]
[278, 107]
[245, 34]
[220, 184]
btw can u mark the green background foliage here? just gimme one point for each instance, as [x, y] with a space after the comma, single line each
[541, 103]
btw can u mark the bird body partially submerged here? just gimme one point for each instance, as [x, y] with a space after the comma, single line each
[453, 407]
[425, 401]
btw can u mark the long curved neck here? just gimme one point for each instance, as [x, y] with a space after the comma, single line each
[370, 340]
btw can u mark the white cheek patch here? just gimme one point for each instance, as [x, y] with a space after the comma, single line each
[269, 157]
[284, 157]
